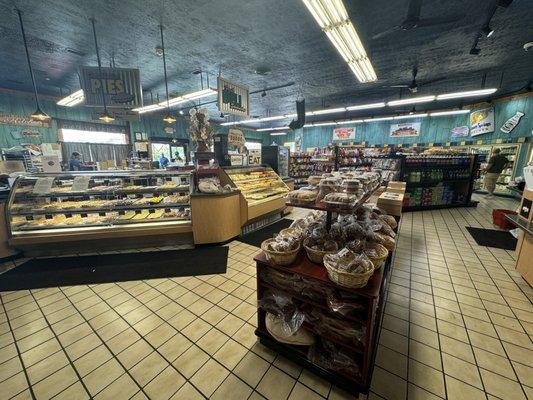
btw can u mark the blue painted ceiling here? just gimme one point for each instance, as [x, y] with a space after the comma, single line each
[236, 37]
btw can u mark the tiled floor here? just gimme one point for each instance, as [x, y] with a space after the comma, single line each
[458, 324]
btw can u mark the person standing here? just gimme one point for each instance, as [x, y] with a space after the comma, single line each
[497, 164]
[163, 161]
[75, 163]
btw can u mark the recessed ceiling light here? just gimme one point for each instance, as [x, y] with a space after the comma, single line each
[412, 100]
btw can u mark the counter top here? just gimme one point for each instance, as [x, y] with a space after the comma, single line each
[200, 194]
[521, 223]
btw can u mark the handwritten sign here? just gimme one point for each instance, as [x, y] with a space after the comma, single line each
[81, 183]
[43, 185]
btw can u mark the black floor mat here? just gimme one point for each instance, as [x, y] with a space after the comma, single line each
[257, 237]
[493, 238]
[83, 270]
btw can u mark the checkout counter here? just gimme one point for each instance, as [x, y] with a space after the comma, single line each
[524, 247]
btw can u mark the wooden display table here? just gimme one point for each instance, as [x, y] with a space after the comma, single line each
[371, 298]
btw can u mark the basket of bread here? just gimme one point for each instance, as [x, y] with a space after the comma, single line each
[348, 269]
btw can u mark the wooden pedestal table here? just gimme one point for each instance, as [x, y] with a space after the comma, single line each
[216, 218]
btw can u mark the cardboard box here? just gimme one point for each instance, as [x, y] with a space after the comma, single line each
[395, 190]
[391, 203]
[397, 185]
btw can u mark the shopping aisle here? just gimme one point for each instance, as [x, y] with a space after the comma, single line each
[457, 324]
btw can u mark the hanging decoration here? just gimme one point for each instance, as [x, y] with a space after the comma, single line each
[200, 130]
[38, 114]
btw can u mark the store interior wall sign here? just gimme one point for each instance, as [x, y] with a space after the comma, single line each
[236, 138]
[460, 131]
[482, 121]
[405, 130]
[30, 133]
[232, 98]
[122, 87]
[12, 119]
[343, 133]
[512, 122]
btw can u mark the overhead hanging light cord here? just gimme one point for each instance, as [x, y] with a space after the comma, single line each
[28, 58]
[164, 65]
[99, 64]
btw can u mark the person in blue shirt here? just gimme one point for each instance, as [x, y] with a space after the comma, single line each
[75, 163]
[163, 161]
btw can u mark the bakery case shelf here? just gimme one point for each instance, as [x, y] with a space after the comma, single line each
[368, 318]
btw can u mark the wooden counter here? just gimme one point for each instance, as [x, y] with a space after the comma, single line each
[216, 218]
[524, 246]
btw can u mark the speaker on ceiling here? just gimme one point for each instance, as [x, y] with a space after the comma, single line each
[300, 113]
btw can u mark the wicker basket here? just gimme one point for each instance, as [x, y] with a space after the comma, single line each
[316, 256]
[346, 279]
[279, 258]
[381, 257]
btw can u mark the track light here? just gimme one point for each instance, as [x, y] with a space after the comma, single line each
[106, 117]
[487, 31]
[39, 115]
[181, 112]
[169, 119]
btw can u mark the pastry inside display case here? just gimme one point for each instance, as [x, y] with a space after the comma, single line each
[74, 201]
[257, 183]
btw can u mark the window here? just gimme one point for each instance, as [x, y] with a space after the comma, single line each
[81, 136]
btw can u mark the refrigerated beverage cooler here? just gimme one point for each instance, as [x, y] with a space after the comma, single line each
[278, 159]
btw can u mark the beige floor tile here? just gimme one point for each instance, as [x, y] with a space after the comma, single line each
[39, 352]
[252, 368]
[387, 385]
[288, 366]
[486, 343]
[458, 390]
[232, 388]
[196, 329]
[55, 383]
[246, 336]
[525, 374]
[494, 363]
[512, 336]
[191, 361]
[164, 385]
[517, 353]
[480, 326]
[214, 315]
[275, 384]
[424, 335]
[103, 376]
[457, 348]
[174, 347]
[301, 392]
[453, 331]
[230, 354]
[13, 366]
[392, 361]
[92, 360]
[188, 391]
[46, 367]
[504, 388]
[209, 377]
[395, 324]
[134, 353]
[423, 353]
[394, 341]
[212, 341]
[417, 393]
[230, 324]
[340, 394]
[315, 382]
[148, 368]
[160, 335]
[123, 340]
[462, 370]
[123, 388]
[426, 377]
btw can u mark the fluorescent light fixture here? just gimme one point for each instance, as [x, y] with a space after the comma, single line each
[72, 99]
[412, 100]
[407, 116]
[176, 100]
[308, 126]
[378, 119]
[332, 17]
[452, 112]
[326, 111]
[278, 134]
[470, 93]
[365, 106]
[230, 123]
[351, 121]
[264, 119]
[323, 123]
[278, 128]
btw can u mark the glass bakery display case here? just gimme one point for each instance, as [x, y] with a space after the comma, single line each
[77, 202]
[257, 183]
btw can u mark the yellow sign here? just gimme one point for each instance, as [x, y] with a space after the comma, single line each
[463, 143]
[430, 145]
[521, 140]
[499, 141]
[400, 145]
[415, 145]
[448, 144]
[479, 142]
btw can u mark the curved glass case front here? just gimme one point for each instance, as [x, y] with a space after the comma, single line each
[74, 201]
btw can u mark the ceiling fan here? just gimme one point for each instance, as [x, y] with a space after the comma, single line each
[413, 20]
[414, 85]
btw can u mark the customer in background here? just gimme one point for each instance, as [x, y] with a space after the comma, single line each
[497, 164]
[75, 163]
[163, 161]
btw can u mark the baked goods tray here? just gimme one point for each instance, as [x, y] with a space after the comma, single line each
[100, 210]
[155, 189]
[100, 224]
[322, 206]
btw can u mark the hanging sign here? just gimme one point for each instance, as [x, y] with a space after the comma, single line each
[43, 185]
[12, 119]
[232, 98]
[405, 130]
[121, 87]
[170, 130]
[254, 157]
[29, 133]
[343, 134]
[460, 131]
[482, 121]
[236, 138]
[512, 122]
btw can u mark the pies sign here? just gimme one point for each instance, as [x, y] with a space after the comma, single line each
[343, 134]
[121, 87]
[236, 137]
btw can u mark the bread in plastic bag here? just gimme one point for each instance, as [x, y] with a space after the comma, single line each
[276, 326]
[282, 306]
[331, 357]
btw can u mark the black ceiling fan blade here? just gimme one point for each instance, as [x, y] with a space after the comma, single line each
[387, 32]
[438, 20]
[413, 11]
[430, 81]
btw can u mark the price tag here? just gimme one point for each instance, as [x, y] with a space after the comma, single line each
[521, 140]
[430, 144]
[399, 145]
[463, 143]
[415, 144]
[81, 183]
[499, 141]
[343, 252]
[479, 142]
[448, 144]
[43, 185]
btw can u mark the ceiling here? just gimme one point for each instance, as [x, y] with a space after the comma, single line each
[237, 37]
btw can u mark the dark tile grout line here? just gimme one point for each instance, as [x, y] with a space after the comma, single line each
[504, 349]
[409, 309]
[20, 357]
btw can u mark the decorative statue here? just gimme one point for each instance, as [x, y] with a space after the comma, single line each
[200, 130]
